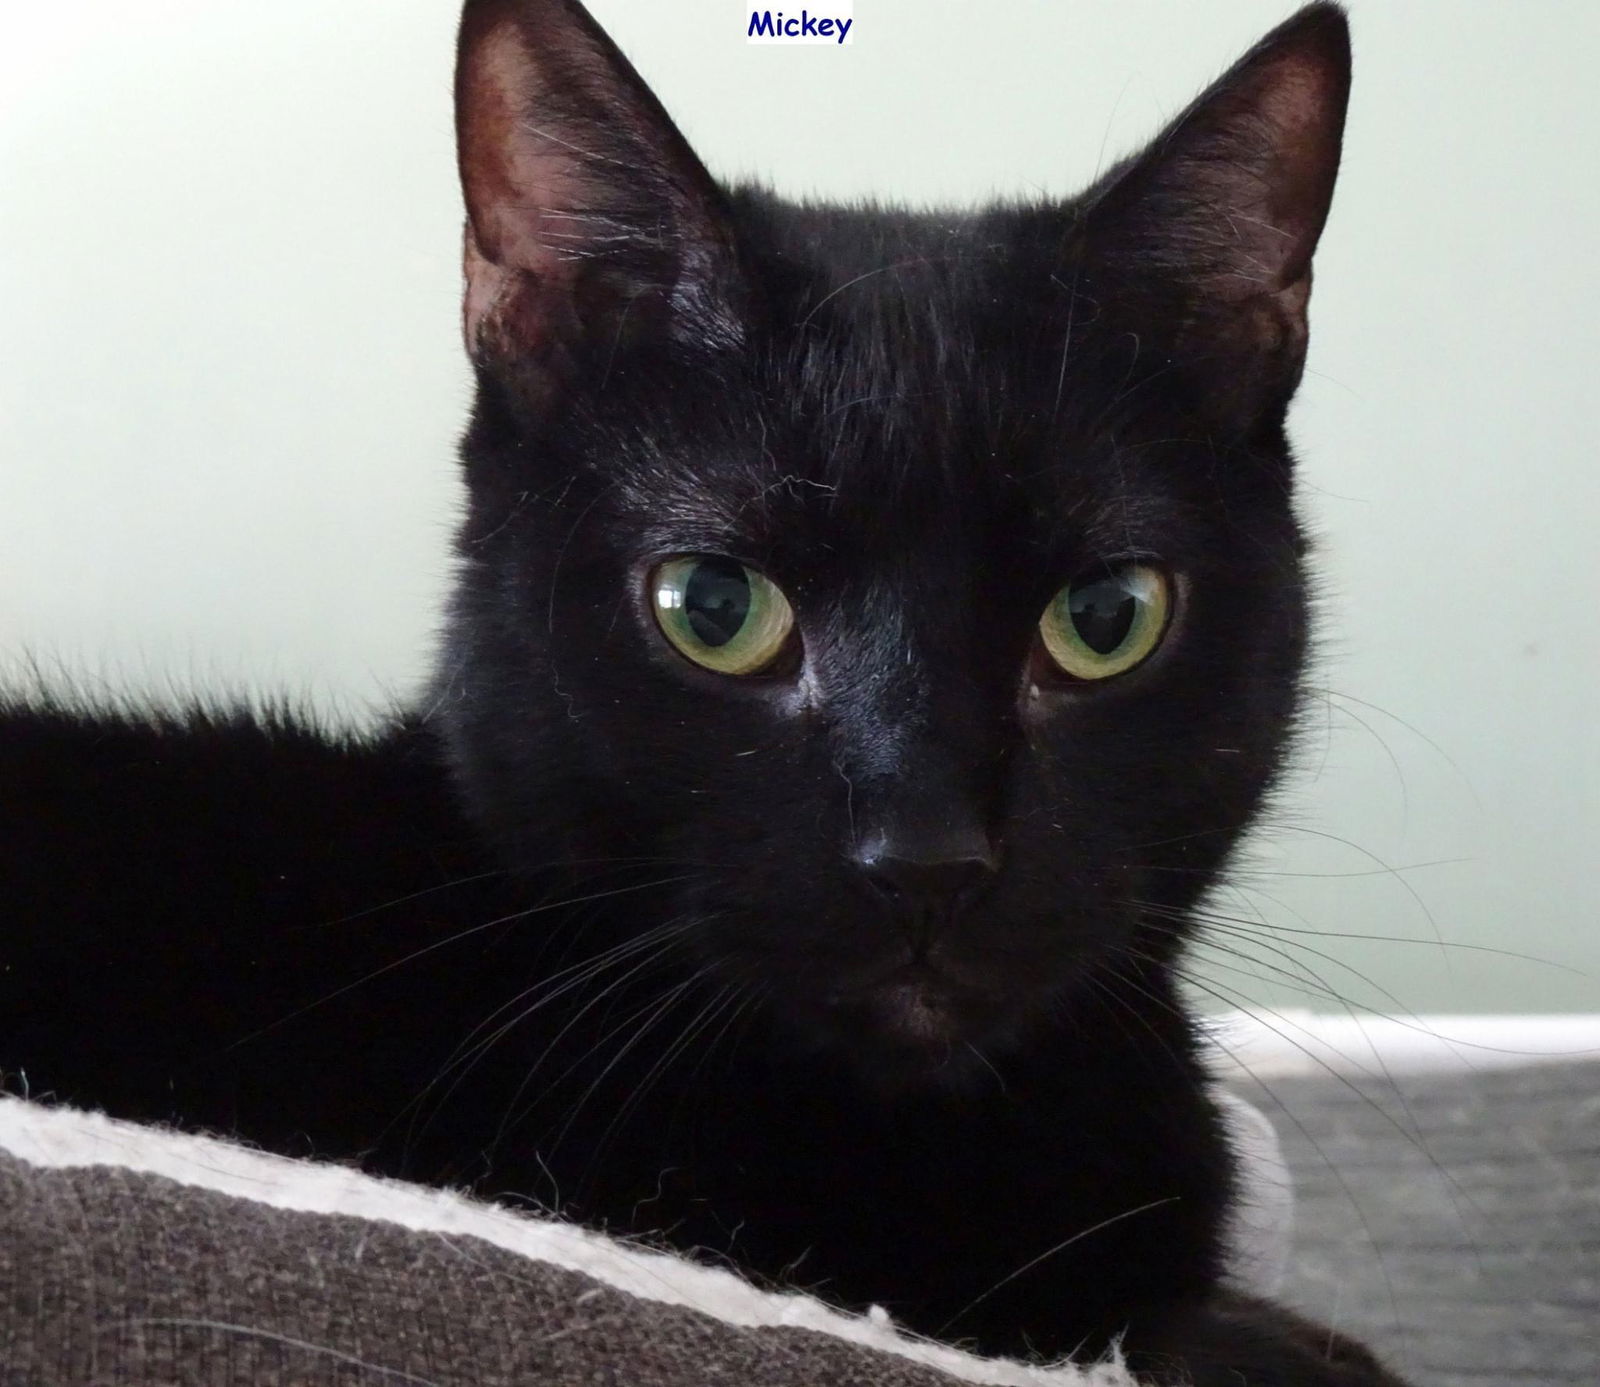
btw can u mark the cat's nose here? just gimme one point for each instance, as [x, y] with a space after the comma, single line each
[928, 875]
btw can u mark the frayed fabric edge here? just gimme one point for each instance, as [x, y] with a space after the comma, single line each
[61, 1138]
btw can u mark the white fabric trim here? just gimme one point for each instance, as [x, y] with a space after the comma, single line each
[1260, 1226]
[59, 1138]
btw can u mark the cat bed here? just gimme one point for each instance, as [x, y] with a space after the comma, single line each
[132, 1255]
[1451, 1218]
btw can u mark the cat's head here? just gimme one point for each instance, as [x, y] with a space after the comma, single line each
[922, 590]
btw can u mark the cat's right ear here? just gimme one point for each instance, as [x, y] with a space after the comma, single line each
[590, 223]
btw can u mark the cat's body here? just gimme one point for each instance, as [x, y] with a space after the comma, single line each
[850, 963]
[322, 995]
[184, 1003]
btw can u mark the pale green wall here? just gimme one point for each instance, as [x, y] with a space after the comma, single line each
[229, 378]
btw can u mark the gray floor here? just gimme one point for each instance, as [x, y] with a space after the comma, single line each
[1452, 1221]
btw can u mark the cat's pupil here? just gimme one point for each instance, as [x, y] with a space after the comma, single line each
[716, 600]
[1102, 614]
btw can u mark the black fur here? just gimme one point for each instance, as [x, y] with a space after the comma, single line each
[920, 426]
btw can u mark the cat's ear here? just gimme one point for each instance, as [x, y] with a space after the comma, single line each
[1221, 214]
[589, 219]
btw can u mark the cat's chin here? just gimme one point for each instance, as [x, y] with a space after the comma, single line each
[914, 1027]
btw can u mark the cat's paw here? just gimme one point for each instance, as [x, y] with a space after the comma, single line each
[1237, 1341]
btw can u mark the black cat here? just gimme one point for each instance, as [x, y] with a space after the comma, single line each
[873, 631]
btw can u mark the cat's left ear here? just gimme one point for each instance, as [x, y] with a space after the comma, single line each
[590, 223]
[1212, 228]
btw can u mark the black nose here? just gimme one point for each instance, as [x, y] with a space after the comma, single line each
[928, 875]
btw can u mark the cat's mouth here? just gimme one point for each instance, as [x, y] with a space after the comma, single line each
[915, 1012]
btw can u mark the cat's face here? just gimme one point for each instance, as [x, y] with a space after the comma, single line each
[922, 590]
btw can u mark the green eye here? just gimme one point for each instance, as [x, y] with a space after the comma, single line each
[1107, 623]
[720, 614]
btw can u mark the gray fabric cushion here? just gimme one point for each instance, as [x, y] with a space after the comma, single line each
[121, 1278]
[112, 1274]
[1451, 1220]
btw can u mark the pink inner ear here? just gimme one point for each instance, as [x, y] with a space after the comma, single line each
[1296, 108]
[574, 179]
[512, 174]
[515, 178]
[494, 70]
[490, 289]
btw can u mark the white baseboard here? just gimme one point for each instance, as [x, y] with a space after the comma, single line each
[1291, 1041]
